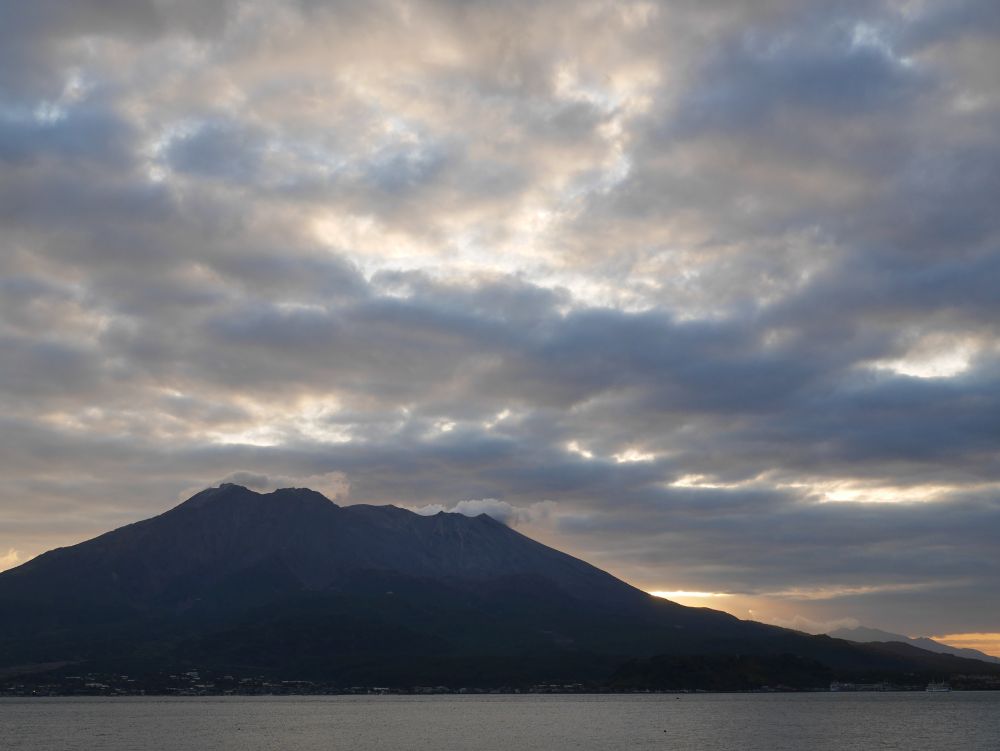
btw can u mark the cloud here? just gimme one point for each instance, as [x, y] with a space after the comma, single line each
[10, 559]
[217, 150]
[416, 253]
[502, 511]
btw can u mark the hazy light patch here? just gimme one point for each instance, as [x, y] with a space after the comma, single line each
[776, 338]
[323, 431]
[836, 592]
[498, 418]
[257, 435]
[623, 98]
[968, 102]
[159, 142]
[443, 426]
[809, 625]
[631, 297]
[936, 356]
[680, 593]
[531, 229]
[866, 35]
[701, 481]
[568, 84]
[376, 246]
[334, 485]
[985, 642]
[614, 173]
[634, 455]
[867, 495]
[944, 366]
[692, 481]
[51, 112]
[68, 421]
[739, 604]
[313, 418]
[847, 492]
[637, 15]
[502, 511]
[574, 448]
[716, 600]
[10, 559]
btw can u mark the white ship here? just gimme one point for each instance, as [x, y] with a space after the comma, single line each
[938, 687]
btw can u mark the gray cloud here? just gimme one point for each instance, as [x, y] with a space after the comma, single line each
[499, 510]
[680, 289]
[217, 150]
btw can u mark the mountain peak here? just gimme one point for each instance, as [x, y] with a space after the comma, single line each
[289, 583]
[230, 491]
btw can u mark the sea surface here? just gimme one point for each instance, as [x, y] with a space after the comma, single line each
[702, 722]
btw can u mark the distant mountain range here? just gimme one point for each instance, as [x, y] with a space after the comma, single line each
[290, 585]
[864, 635]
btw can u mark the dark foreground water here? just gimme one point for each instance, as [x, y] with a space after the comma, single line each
[798, 722]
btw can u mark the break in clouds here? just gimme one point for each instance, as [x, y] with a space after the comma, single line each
[705, 293]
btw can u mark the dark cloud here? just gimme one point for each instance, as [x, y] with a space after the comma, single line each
[773, 80]
[87, 133]
[948, 21]
[218, 150]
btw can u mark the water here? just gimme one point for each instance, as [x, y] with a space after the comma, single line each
[741, 722]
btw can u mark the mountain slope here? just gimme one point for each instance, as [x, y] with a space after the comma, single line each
[222, 531]
[290, 584]
[864, 635]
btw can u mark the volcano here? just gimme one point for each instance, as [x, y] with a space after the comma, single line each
[291, 585]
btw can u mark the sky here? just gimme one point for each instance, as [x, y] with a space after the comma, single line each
[704, 293]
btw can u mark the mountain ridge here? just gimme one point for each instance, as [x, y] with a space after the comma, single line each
[290, 583]
[866, 635]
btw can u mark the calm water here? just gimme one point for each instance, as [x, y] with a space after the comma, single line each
[799, 722]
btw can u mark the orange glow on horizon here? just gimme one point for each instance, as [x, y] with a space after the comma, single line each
[984, 641]
[691, 599]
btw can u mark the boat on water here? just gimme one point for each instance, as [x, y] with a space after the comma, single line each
[938, 687]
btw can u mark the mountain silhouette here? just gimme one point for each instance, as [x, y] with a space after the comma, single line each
[865, 635]
[289, 584]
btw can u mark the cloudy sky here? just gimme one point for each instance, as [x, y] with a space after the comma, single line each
[705, 293]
